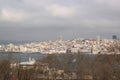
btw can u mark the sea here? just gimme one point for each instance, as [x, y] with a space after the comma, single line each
[21, 57]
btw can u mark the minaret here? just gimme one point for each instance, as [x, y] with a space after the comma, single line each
[98, 41]
[60, 37]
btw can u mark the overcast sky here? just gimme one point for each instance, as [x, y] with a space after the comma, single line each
[48, 19]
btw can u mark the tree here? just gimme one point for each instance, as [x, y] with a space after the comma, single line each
[5, 70]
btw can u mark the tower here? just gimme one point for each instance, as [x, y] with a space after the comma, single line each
[60, 37]
[114, 37]
[98, 41]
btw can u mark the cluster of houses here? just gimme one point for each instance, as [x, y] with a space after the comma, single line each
[57, 47]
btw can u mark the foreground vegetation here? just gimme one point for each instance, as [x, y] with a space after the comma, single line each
[84, 67]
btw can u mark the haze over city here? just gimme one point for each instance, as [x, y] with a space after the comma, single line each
[48, 19]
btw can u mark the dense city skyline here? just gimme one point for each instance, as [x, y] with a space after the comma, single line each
[48, 19]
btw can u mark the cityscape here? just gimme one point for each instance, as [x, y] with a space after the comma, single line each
[76, 59]
[59, 39]
[79, 45]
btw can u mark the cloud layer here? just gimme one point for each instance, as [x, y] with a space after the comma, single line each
[61, 11]
[76, 16]
[11, 15]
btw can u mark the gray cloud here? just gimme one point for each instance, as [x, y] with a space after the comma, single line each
[31, 19]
